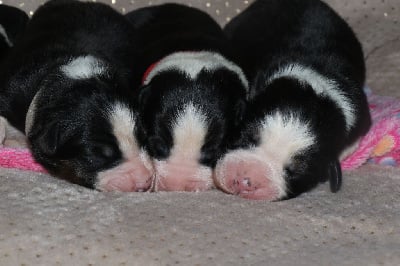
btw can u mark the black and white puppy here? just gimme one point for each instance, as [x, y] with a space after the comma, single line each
[307, 72]
[192, 94]
[68, 83]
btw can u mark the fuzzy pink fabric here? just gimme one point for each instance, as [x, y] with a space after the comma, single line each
[381, 145]
[20, 159]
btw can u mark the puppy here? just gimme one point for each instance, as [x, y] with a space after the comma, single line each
[68, 83]
[12, 24]
[306, 101]
[192, 94]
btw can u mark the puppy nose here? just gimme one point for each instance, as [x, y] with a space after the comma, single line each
[182, 176]
[130, 176]
[246, 177]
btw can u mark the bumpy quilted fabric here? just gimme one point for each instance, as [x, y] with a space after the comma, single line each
[45, 221]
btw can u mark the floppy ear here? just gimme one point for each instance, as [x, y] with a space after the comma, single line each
[335, 176]
[49, 139]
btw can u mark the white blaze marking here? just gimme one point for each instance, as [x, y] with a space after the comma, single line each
[134, 158]
[84, 67]
[282, 137]
[189, 132]
[192, 63]
[3, 32]
[123, 123]
[322, 86]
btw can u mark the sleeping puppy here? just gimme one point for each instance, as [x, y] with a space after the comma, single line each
[12, 24]
[68, 84]
[192, 94]
[306, 102]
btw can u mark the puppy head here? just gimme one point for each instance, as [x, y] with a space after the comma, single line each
[82, 128]
[282, 150]
[279, 158]
[185, 115]
[172, 104]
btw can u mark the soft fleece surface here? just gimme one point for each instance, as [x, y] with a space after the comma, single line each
[45, 221]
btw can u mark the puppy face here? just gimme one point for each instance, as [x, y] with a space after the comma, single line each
[81, 127]
[281, 149]
[187, 107]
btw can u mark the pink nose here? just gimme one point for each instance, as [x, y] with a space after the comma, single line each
[246, 177]
[127, 177]
[182, 176]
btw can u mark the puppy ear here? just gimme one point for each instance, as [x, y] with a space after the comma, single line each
[49, 139]
[335, 176]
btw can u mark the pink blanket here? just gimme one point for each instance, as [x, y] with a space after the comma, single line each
[380, 146]
[382, 143]
[19, 159]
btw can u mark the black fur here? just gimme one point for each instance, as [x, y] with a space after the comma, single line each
[173, 28]
[271, 34]
[13, 21]
[71, 134]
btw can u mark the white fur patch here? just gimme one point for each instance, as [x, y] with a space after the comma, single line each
[189, 132]
[84, 67]
[322, 86]
[123, 123]
[4, 34]
[192, 63]
[282, 137]
[136, 166]
[182, 169]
